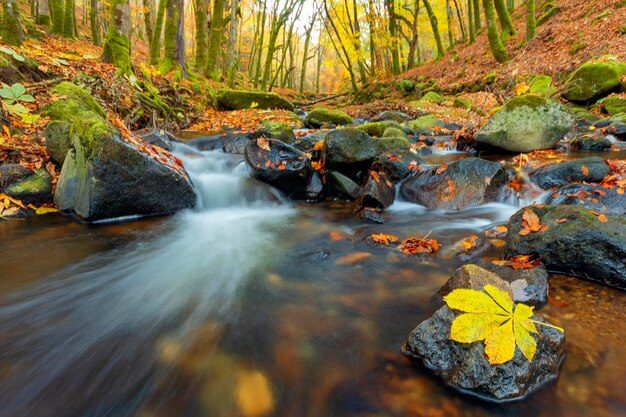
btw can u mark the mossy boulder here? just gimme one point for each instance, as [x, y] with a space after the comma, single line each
[394, 116]
[105, 178]
[594, 80]
[279, 131]
[460, 103]
[583, 245]
[615, 104]
[428, 123]
[72, 102]
[394, 132]
[34, 189]
[377, 129]
[433, 97]
[394, 144]
[57, 136]
[542, 85]
[241, 100]
[321, 116]
[525, 124]
[348, 146]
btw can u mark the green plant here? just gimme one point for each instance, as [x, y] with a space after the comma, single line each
[12, 99]
[12, 53]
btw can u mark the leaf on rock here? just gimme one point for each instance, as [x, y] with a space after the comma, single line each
[585, 170]
[383, 239]
[413, 246]
[263, 143]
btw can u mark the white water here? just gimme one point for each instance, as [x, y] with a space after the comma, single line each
[127, 299]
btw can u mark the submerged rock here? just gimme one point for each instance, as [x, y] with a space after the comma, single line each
[464, 183]
[591, 143]
[283, 167]
[464, 366]
[580, 244]
[592, 169]
[342, 185]
[242, 100]
[321, 116]
[525, 124]
[592, 197]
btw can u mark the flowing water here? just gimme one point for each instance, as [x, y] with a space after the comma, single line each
[252, 306]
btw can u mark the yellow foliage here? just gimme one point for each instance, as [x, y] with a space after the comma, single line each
[254, 394]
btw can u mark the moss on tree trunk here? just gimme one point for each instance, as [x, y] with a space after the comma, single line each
[202, 41]
[69, 19]
[11, 29]
[505, 19]
[155, 45]
[56, 13]
[435, 25]
[495, 43]
[531, 23]
[215, 39]
[116, 48]
[173, 59]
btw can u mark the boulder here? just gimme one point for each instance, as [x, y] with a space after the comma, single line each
[615, 104]
[428, 124]
[592, 197]
[394, 144]
[349, 146]
[378, 192]
[529, 286]
[397, 165]
[236, 144]
[393, 132]
[11, 174]
[73, 102]
[377, 129]
[579, 244]
[595, 80]
[321, 116]
[241, 100]
[161, 138]
[57, 136]
[592, 169]
[35, 188]
[542, 85]
[618, 130]
[525, 124]
[433, 97]
[473, 277]
[464, 183]
[343, 186]
[283, 167]
[394, 116]
[279, 131]
[104, 178]
[592, 143]
[464, 366]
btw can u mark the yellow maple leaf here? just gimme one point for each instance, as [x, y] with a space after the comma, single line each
[491, 316]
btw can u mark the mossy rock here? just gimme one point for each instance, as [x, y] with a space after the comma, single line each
[322, 116]
[489, 78]
[279, 131]
[425, 123]
[394, 132]
[418, 104]
[349, 146]
[542, 85]
[394, 144]
[525, 124]
[433, 97]
[460, 103]
[9, 74]
[594, 80]
[615, 105]
[73, 102]
[241, 100]
[34, 189]
[57, 136]
[377, 129]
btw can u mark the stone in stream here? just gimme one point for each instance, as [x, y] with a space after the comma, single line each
[33, 188]
[283, 167]
[57, 136]
[529, 286]
[349, 149]
[321, 116]
[585, 143]
[377, 129]
[236, 144]
[394, 116]
[342, 185]
[11, 174]
[465, 183]
[398, 165]
[525, 124]
[577, 242]
[592, 169]
[243, 100]
[464, 366]
[592, 197]
[618, 130]
[377, 192]
[427, 125]
[161, 138]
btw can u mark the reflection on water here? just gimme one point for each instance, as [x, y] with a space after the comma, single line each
[239, 309]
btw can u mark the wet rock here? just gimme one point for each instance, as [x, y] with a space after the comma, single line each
[277, 130]
[465, 367]
[525, 124]
[349, 146]
[35, 188]
[369, 215]
[595, 80]
[618, 130]
[208, 143]
[161, 138]
[12, 173]
[315, 188]
[397, 165]
[105, 178]
[591, 143]
[267, 166]
[592, 197]
[321, 116]
[580, 244]
[343, 186]
[474, 277]
[560, 174]
[242, 100]
[529, 286]
[57, 136]
[426, 125]
[377, 192]
[307, 143]
[236, 144]
[464, 183]
[392, 132]
[394, 144]
[394, 116]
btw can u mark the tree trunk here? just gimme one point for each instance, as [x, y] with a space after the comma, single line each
[495, 43]
[173, 42]
[531, 23]
[233, 52]
[435, 26]
[470, 20]
[477, 22]
[305, 57]
[215, 39]
[155, 45]
[449, 21]
[505, 20]
[147, 20]
[259, 57]
[56, 13]
[69, 19]
[95, 25]
[43, 13]
[11, 26]
[459, 15]
[393, 32]
[202, 24]
[116, 48]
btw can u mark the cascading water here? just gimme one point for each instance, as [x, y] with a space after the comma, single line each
[99, 319]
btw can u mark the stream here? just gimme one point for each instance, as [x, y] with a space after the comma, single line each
[252, 306]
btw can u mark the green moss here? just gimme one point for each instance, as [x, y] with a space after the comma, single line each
[615, 105]
[433, 97]
[91, 130]
[594, 80]
[9, 73]
[577, 47]
[73, 102]
[116, 50]
[528, 100]
[489, 78]
[394, 144]
[321, 116]
[394, 132]
[425, 122]
[418, 104]
[377, 129]
[460, 103]
[549, 12]
[542, 85]
[599, 17]
[36, 184]
[279, 131]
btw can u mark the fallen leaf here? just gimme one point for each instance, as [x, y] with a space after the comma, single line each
[441, 169]
[585, 170]
[560, 221]
[353, 258]
[602, 218]
[384, 239]
[263, 143]
[469, 243]
[413, 246]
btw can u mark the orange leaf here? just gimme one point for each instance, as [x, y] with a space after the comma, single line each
[263, 143]
[585, 170]
[560, 221]
[353, 258]
[413, 246]
[620, 191]
[502, 229]
[335, 236]
[441, 169]
[602, 218]
[384, 239]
